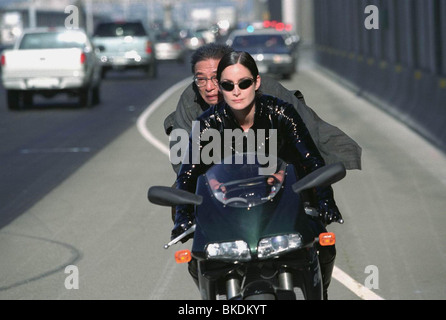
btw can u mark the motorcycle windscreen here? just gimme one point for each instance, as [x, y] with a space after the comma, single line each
[241, 204]
[242, 182]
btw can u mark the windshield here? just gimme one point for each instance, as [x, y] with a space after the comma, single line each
[132, 29]
[53, 40]
[166, 37]
[243, 185]
[267, 43]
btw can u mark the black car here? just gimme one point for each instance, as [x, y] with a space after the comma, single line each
[274, 51]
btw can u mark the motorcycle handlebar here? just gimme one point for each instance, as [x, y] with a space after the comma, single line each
[181, 236]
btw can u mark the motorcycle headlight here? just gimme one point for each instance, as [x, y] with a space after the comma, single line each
[234, 250]
[270, 246]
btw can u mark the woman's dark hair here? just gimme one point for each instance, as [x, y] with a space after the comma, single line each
[209, 51]
[238, 57]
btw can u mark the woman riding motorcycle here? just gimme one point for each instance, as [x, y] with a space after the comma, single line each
[247, 109]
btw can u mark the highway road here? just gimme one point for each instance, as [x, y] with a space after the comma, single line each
[74, 183]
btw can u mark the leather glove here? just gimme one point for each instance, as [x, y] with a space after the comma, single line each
[183, 221]
[329, 212]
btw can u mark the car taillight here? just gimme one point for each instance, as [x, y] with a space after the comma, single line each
[83, 57]
[149, 47]
[3, 63]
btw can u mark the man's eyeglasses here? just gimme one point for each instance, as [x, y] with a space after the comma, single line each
[243, 84]
[202, 81]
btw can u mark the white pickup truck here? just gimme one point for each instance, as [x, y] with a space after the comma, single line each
[48, 62]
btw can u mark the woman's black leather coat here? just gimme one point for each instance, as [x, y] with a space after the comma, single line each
[294, 145]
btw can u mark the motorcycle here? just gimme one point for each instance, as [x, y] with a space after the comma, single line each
[252, 237]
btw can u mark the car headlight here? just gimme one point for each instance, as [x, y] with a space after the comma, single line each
[260, 57]
[234, 250]
[270, 246]
[281, 58]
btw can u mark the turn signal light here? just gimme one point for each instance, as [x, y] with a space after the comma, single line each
[327, 239]
[183, 256]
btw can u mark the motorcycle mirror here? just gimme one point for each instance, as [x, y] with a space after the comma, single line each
[322, 177]
[168, 196]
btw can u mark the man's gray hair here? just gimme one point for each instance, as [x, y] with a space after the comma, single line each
[209, 51]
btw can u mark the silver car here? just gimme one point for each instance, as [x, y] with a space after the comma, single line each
[125, 45]
[275, 51]
[169, 46]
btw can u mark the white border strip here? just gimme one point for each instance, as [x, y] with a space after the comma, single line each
[350, 283]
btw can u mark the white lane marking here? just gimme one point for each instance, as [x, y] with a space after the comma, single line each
[350, 283]
[142, 120]
[162, 285]
[354, 286]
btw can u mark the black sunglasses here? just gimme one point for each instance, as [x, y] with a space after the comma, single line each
[243, 84]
